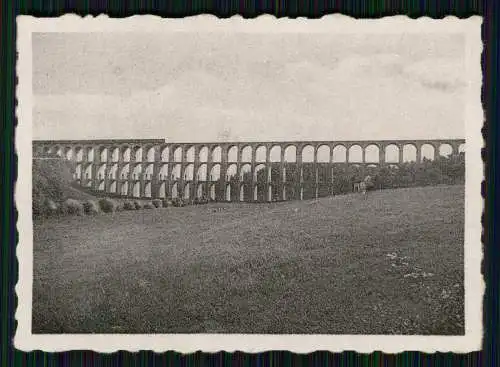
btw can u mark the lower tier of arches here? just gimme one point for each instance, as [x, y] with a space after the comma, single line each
[212, 191]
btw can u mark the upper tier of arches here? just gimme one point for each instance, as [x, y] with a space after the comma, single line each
[370, 152]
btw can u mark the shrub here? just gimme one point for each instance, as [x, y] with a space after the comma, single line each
[157, 203]
[166, 203]
[90, 207]
[128, 205]
[47, 208]
[107, 205]
[51, 178]
[149, 205]
[203, 200]
[178, 202]
[119, 207]
[137, 205]
[72, 207]
[51, 206]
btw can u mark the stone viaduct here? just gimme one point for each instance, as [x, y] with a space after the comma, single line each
[156, 168]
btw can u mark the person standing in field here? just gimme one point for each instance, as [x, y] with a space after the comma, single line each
[365, 185]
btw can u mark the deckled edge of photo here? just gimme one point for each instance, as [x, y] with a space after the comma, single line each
[251, 343]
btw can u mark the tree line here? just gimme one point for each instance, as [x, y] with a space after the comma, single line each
[326, 179]
[53, 177]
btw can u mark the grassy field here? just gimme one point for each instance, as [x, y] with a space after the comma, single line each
[392, 263]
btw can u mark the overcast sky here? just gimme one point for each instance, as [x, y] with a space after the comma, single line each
[218, 87]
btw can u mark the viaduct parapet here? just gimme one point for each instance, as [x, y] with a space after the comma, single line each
[230, 171]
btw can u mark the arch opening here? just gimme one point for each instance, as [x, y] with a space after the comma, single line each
[175, 191]
[409, 153]
[88, 172]
[189, 172]
[232, 154]
[187, 191]
[101, 172]
[113, 187]
[79, 154]
[150, 154]
[261, 154]
[78, 172]
[90, 154]
[164, 154]
[200, 191]
[176, 172]
[138, 154]
[323, 154]
[339, 154]
[126, 153]
[113, 172]
[103, 154]
[190, 154]
[212, 193]
[162, 190]
[68, 153]
[137, 172]
[308, 154]
[216, 154]
[203, 154]
[372, 154]
[291, 154]
[445, 150]
[147, 189]
[246, 154]
[163, 174]
[427, 152]
[148, 173]
[275, 154]
[232, 172]
[136, 189]
[391, 153]
[125, 171]
[355, 154]
[202, 172]
[246, 173]
[260, 173]
[178, 154]
[115, 154]
[215, 173]
[124, 188]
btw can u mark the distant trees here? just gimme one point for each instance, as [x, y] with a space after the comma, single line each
[52, 175]
[340, 178]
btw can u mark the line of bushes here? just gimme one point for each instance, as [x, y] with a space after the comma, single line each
[340, 178]
[54, 194]
[94, 207]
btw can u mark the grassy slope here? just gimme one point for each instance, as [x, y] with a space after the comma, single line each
[71, 192]
[336, 265]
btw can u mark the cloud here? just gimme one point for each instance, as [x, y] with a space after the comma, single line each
[443, 74]
[355, 97]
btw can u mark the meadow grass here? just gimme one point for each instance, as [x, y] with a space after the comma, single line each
[388, 264]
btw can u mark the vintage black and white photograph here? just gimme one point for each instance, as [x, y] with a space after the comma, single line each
[259, 178]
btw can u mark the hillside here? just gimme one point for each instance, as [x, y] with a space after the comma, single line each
[52, 181]
[390, 263]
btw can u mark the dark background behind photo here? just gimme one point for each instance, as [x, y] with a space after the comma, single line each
[9, 267]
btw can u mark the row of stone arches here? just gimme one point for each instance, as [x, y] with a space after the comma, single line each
[355, 153]
[214, 172]
[186, 173]
[229, 193]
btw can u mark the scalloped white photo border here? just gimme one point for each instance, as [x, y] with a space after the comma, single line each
[187, 343]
